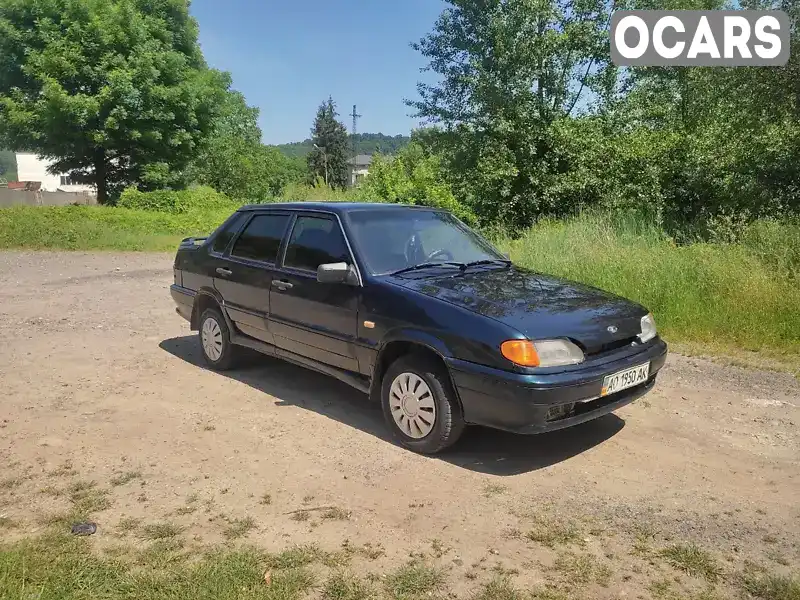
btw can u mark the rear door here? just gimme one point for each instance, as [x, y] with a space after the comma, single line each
[315, 320]
[243, 278]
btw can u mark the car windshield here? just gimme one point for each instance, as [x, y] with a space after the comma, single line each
[391, 240]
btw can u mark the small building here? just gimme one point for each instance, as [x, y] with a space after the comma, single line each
[33, 168]
[358, 168]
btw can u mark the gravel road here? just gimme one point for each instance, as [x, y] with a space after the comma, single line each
[100, 374]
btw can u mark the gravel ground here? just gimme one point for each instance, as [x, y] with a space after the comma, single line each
[101, 378]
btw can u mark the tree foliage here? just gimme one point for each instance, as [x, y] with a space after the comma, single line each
[116, 91]
[509, 70]
[328, 158]
[413, 176]
[234, 161]
[365, 143]
[8, 165]
[531, 119]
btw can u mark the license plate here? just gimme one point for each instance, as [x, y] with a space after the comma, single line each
[623, 380]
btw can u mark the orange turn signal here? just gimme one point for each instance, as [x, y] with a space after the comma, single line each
[521, 352]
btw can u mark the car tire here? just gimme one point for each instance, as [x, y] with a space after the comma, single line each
[215, 341]
[429, 417]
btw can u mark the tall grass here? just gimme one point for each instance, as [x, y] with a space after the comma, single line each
[742, 296]
[101, 227]
[734, 295]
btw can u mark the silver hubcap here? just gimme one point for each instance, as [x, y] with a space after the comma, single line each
[412, 405]
[211, 336]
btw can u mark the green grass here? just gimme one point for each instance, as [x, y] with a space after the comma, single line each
[236, 528]
[64, 568]
[771, 587]
[86, 498]
[414, 580]
[499, 588]
[552, 532]
[160, 531]
[345, 586]
[720, 297]
[101, 227]
[693, 560]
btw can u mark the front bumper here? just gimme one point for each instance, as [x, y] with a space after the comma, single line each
[522, 403]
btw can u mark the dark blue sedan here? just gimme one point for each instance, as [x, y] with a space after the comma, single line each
[412, 307]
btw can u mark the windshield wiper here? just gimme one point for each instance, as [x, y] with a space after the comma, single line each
[488, 261]
[427, 265]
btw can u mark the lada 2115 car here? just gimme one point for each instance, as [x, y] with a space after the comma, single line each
[412, 307]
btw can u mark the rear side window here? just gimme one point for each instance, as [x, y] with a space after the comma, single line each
[315, 241]
[224, 236]
[261, 238]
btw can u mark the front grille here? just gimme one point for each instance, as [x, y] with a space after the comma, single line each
[612, 346]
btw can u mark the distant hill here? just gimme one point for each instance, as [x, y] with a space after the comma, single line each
[366, 143]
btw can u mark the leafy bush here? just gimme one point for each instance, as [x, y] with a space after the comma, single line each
[200, 198]
[412, 177]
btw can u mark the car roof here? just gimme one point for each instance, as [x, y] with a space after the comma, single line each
[334, 207]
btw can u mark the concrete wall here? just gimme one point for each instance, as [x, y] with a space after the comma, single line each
[34, 168]
[16, 197]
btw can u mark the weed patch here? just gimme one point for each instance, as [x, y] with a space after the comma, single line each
[692, 560]
[414, 580]
[160, 531]
[124, 478]
[345, 586]
[236, 528]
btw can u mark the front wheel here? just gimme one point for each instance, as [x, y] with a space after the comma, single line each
[420, 405]
[215, 341]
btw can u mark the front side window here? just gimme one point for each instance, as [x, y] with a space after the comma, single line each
[392, 239]
[315, 241]
[261, 238]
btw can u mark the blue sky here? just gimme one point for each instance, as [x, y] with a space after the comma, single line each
[286, 57]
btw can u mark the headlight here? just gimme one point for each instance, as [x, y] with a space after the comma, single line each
[648, 328]
[542, 353]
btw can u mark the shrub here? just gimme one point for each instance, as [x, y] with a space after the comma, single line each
[200, 198]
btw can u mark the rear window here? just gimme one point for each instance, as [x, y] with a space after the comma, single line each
[226, 232]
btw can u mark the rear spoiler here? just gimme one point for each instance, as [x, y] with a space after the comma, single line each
[191, 242]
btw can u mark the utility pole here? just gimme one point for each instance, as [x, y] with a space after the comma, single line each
[355, 116]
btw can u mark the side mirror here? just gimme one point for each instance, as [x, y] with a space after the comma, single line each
[336, 273]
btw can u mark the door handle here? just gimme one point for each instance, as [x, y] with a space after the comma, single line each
[281, 285]
[224, 271]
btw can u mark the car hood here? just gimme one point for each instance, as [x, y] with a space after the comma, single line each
[539, 306]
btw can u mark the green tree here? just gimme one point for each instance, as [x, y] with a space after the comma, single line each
[8, 165]
[328, 159]
[116, 91]
[413, 176]
[509, 71]
[234, 161]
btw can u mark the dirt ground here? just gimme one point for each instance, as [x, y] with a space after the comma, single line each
[103, 382]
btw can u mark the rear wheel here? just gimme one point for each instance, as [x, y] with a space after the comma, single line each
[215, 341]
[420, 405]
